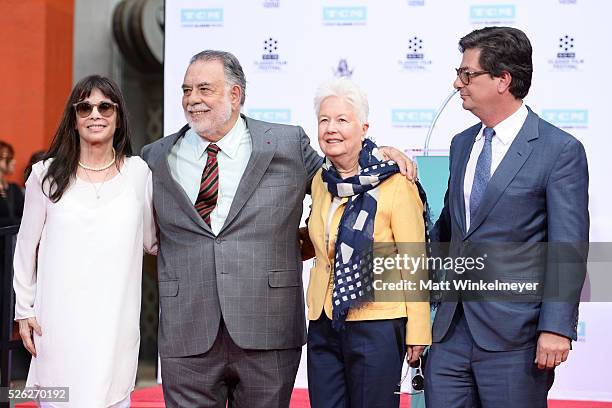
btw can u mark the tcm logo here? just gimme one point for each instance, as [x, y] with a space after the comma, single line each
[270, 49]
[335, 15]
[493, 13]
[271, 115]
[412, 117]
[270, 59]
[581, 331]
[566, 47]
[415, 48]
[566, 117]
[201, 16]
[566, 58]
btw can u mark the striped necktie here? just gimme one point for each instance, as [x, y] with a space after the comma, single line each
[209, 185]
[482, 174]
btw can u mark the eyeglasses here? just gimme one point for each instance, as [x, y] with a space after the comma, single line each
[84, 109]
[465, 75]
[417, 382]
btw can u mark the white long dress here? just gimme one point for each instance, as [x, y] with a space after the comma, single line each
[78, 270]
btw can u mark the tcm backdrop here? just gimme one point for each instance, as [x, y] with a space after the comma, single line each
[402, 52]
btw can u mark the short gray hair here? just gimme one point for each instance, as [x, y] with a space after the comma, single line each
[348, 90]
[234, 75]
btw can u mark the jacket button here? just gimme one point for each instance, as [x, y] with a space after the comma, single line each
[219, 240]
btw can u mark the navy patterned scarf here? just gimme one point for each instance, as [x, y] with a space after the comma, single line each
[354, 243]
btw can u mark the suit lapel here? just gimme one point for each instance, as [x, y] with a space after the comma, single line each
[264, 147]
[464, 157]
[515, 158]
[164, 175]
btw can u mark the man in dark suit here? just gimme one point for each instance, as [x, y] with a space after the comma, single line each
[514, 178]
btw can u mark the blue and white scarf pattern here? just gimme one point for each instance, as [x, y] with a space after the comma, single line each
[354, 243]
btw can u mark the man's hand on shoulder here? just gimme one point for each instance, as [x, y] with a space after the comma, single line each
[407, 167]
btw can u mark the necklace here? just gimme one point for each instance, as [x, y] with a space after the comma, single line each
[352, 169]
[96, 189]
[106, 166]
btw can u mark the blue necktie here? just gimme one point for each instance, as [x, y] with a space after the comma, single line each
[482, 173]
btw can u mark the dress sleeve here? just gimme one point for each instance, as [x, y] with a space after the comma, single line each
[28, 238]
[149, 227]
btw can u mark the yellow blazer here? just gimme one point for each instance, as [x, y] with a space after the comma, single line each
[399, 218]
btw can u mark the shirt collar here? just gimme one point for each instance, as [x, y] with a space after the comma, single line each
[507, 129]
[228, 144]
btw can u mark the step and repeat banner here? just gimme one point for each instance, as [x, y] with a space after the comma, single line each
[403, 54]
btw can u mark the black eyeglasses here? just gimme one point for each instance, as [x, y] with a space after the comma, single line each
[84, 109]
[465, 75]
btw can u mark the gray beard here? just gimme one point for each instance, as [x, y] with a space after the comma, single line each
[208, 126]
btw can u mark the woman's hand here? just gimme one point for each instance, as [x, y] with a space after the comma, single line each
[412, 355]
[25, 331]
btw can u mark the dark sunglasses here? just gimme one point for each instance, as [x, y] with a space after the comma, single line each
[84, 109]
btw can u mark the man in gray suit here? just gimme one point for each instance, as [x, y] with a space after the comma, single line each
[514, 178]
[228, 196]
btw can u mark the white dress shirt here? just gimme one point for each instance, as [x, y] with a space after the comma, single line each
[505, 132]
[188, 157]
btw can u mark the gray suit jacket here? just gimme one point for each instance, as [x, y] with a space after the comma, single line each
[539, 193]
[251, 273]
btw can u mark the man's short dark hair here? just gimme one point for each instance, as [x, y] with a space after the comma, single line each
[503, 49]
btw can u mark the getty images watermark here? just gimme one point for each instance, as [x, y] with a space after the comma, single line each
[411, 265]
[522, 272]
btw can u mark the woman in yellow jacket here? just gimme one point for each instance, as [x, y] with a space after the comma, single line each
[358, 333]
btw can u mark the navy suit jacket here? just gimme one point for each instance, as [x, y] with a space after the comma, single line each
[538, 193]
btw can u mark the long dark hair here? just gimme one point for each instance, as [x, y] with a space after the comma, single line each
[66, 146]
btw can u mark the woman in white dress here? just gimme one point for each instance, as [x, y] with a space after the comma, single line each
[78, 259]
